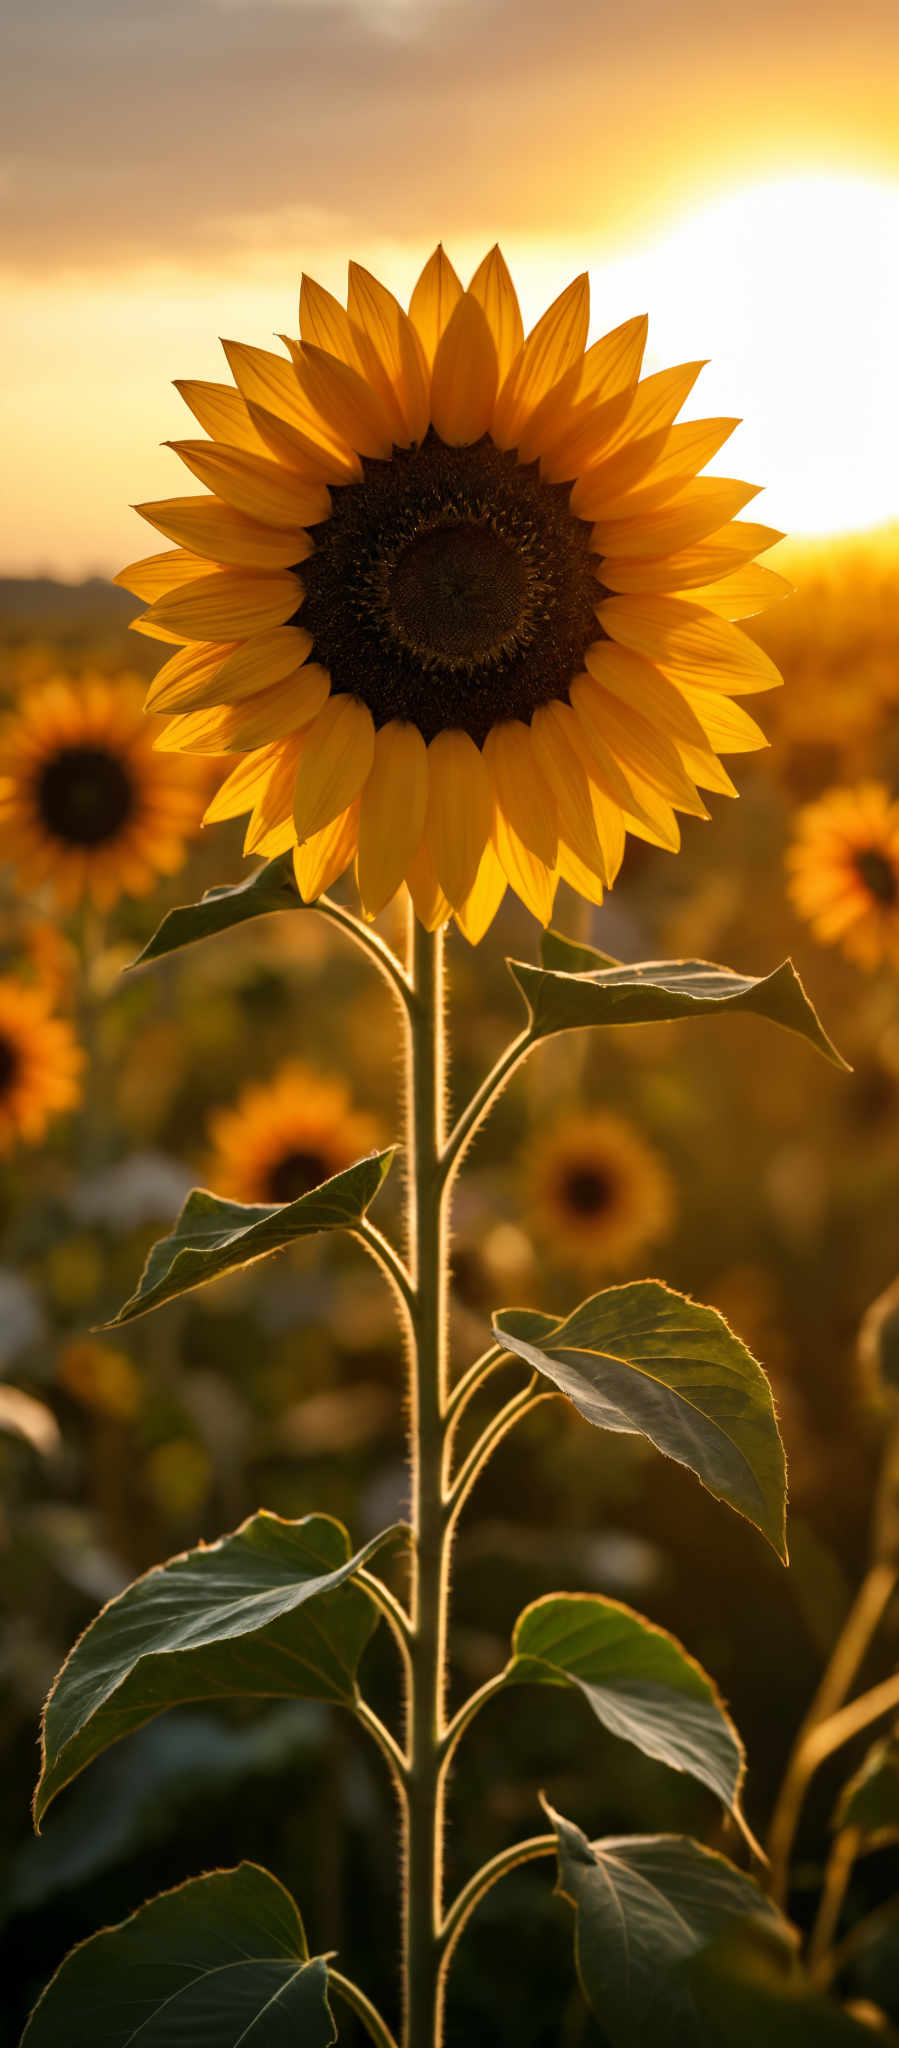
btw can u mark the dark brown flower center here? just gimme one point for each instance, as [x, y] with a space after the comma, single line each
[294, 1174]
[587, 1191]
[84, 795]
[451, 587]
[10, 1063]
[878, 874]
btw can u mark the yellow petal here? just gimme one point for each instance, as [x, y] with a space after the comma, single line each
[689, 645]
[492, 286]
[327, 854]
[607, 482]
[576, 873]
[242, 788]
[346, 401]
[464, 378]
[558, 759]
[480, 907]
[586, 430]
[337, 756]
[222, 413]
[430, 904]
[269, 381]
[259, 720]
[700, 508]
[718, 555]
[531, 879]
[521, 791]
[191, 668]
[391, 812]
[556, 342]
[216, 530]
[460, 812]
[298, 451]
[158, 574]
[635, 743]
[253, 484]
[725, 724]
[656, 402]
[435, 295]
[326, 324]
[743, 593]
[678, 453]
[228, 604]
[613, 363]
[264, 659]
[642, 688]
[272, 818]
[392, 357]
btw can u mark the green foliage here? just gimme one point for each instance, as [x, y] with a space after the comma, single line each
[643, 1359]
[221, 1962]
[231, 1618]
[271, 887]
[637, 1680]
[748, 1989]
[655, 991]
[870, 1801]
[214, 1236]
[645, 1906]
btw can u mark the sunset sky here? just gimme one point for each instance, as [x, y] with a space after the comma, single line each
[166, 172]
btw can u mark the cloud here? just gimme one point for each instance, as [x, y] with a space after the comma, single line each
[212, 132]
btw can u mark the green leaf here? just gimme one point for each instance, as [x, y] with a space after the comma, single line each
[645, 1360]
[638, 1681]
[749, 1991]
[645, 1906]
[221, 1962]
[654, 991]
[213, 1236]
[228, 1619]
[272, 887]
[571, 956]
[870, 1800]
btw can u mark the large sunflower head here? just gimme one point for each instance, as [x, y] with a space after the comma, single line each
[844, 872]
[87, 806]
[462, 600]
[598, 1193]
[40, 1062]
[285, 1136]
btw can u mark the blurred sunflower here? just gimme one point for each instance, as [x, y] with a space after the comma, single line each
[40, 1062]
[598, 1193]
[844, 872]
[86, 804]
[461, 599]
[286, 1136]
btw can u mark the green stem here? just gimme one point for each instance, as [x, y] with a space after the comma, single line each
[521, 1404]
[482, 1102]
[830, 1907]
[387, 1257]
[472, 1893]
[362, 935]
[429, 1262]
[358, 2003]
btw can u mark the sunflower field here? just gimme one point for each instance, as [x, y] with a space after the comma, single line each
[156, 1039]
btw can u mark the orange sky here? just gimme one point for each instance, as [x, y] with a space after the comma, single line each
[166, 172]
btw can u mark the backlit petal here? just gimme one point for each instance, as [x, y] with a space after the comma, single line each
[521, 791]
[700, 508]
[221, 412]
[391, 812]
[531, 879]
[492, 286]
[613, 363]
[192, 668]
[717, 555]
[436, 293]
[263, 659]
[327, 854]
[346, 401]
[559, 762]
[158, 574]
[743, 593]
[688, 644]
[617, 491]
[464, 378]
[392, 358]
[337, 756]
[228, 604]
[460, 812]
[254, 484]
[242, 788]
[552, 347]
[430, 904]
[314, 463]
[326, 323]
[222, 534]
[480, 907]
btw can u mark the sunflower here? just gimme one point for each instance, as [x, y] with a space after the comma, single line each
[844, 872]
[86, 804]
[285, 1136]
[40, 1062]
[598, 1193]
[461, 600]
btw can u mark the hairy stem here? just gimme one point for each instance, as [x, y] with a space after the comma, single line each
[482, 1102]
[358, 2003]
[429, 1262]
[381, 955]
[471, 1895]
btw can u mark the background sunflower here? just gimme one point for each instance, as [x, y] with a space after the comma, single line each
[40, 1064]
[844, 872]
[461, 599]
[287, 1135]
[598, 1193]
[87, 808]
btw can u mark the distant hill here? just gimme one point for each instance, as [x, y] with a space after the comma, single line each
[40, 605]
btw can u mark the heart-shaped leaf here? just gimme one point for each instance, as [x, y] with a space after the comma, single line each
[654, 991]
[213, 1236]
[570, 956]
[272, 887]
[645, 1906]
[221, 1962]
[638, 1681]
[271, 1611]
[645, 1360]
